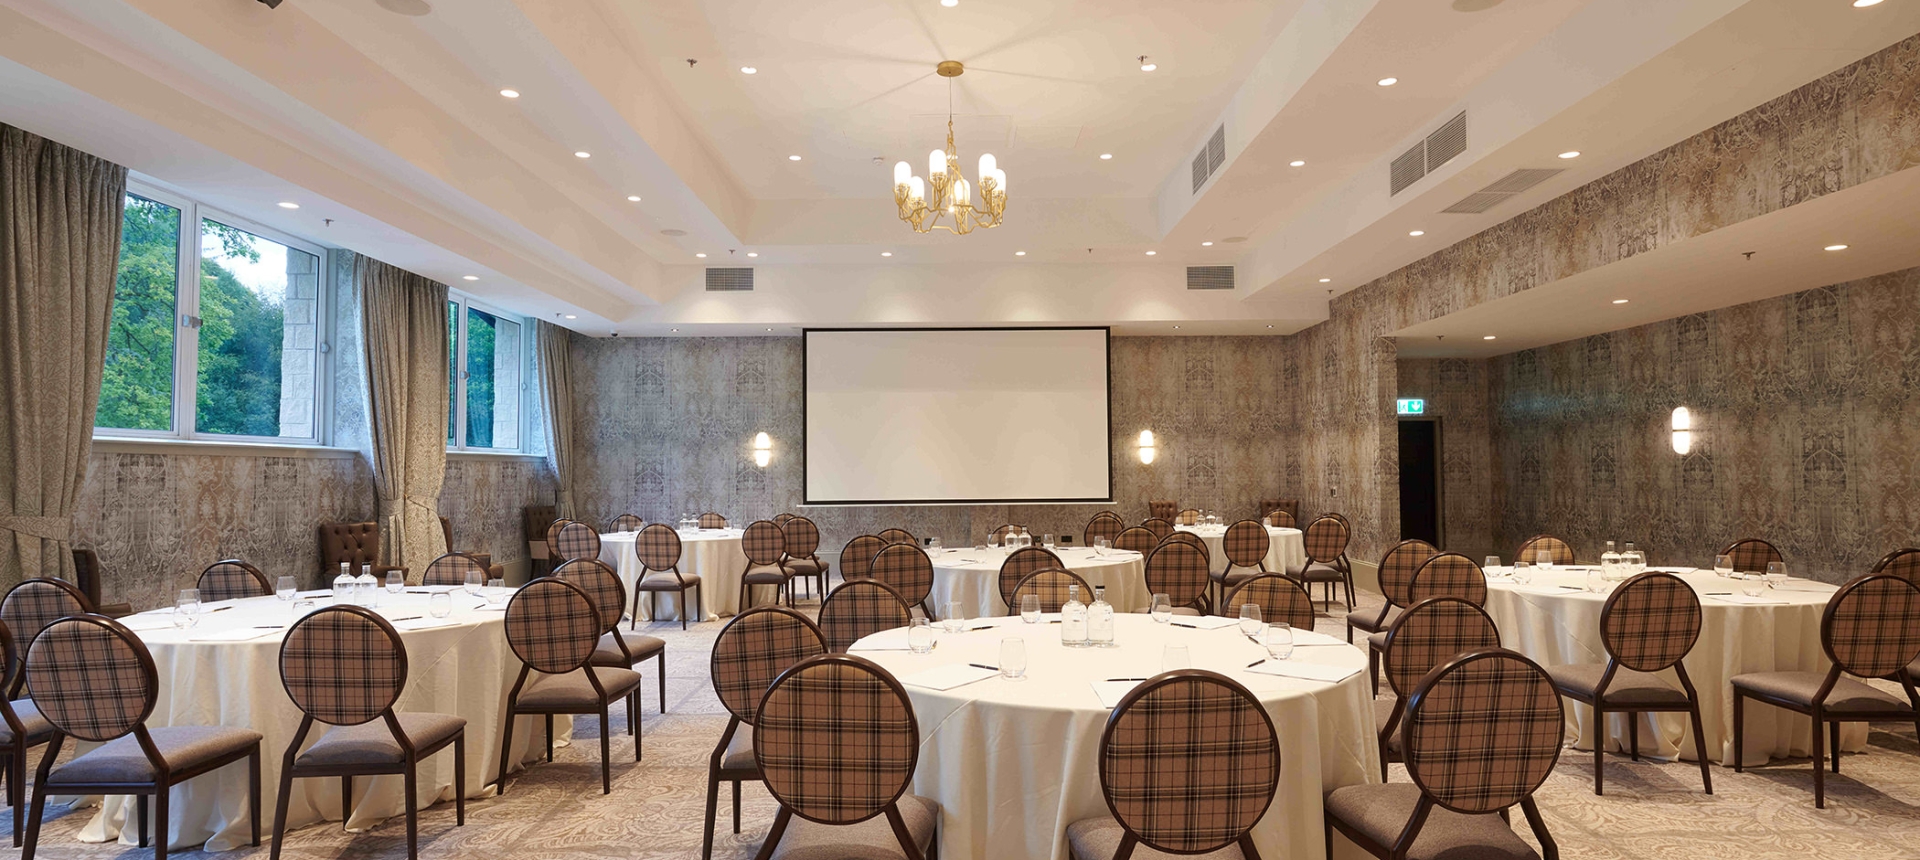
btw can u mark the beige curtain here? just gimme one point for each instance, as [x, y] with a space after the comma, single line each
[556, 386]
[403, 323]
[59, 250]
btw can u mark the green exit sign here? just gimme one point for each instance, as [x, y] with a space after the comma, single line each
[1412, 406]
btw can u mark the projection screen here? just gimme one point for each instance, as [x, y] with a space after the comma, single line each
[979, 415]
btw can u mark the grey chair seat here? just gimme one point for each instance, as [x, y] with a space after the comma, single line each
[1233, 576]
[30, 719]
[1382, 811]
[738, 761]
[1848, 696]
[639, 645]
[1362, 619]
[1377, 641]
[1317, 572]
[765, 576]
[182, 747]
[1382, 710]
[1099, 838]
[372, 742]
[871, 839]
[572, 690]
[1628, 687]
[667, 582]
[803, 566]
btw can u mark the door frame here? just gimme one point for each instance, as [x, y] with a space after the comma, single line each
[1439, 471]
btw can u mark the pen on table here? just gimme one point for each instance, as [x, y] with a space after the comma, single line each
[219, 609]
[1126, 679]
[1719, 594]
[1256, 662]
[984, 666]
[405, 618]
[269, 626]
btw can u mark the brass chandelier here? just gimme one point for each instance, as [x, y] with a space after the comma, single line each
[952, 197]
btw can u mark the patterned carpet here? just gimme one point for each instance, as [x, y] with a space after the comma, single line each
[1651, 810]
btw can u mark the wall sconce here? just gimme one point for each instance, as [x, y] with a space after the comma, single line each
[762, 449]
[1682, 430]
[1146, 447]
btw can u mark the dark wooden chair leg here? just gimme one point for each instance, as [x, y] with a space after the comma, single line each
[1739, 705]
[460, 778]
[606, 753]
[1819, 763]
[142, 802]
[1700, 748]
[661, 664]
[412, 777]
[1599, 746]
[160, 797]
[713, 813]
[33, 819]
[736, 806]
[549, 738]
[506, 749]
[1833, 740]
[253, 786]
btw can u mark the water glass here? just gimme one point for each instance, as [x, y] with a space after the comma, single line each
[1250, 619]
[396, 582]
[933, 543]
[1013, 658]
[1776, 574]
[920, 636]
[473, 581]
[1100, 545]
[956, 618]
[1522, 573]
[1280, 640]
[1046, 540]
[440, 604]
[496, 583]
[1723, 565]
[1596, 581]
[1493, 561]
[1543, 558]
[980, 547]
[286, 589]
[1030, 608]
[186, 609]
[1161, 609]
[303, 608]
[1175, 657]
[1752, 585]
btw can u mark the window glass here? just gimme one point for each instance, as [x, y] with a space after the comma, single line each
[136, 389]
[259, 336]
[493, 381]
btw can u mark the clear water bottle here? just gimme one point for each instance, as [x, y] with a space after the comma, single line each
[365, 586]
[1026, 540]
[1073, 620]
[1100, 620]
[1610, 564]
[343, 585]
[1634, 560]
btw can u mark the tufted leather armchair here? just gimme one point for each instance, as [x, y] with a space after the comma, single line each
[537, 519]
[354, 543]
[1269, 505]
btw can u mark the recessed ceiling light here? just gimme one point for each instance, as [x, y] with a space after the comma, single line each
[672, 330]
[749, 70]
[949, 3]
[701, 256]
[886, 253]
[769, 329]
[512, 94]
[1836, 247]
[1146, 66]
[753, 253]
[285, 204]
[633, 198]
[1488, 337]
[573, 316]
[1176, 327]
[1206, 244]
[1571, 153]
[1326, 280]
[1106, 156]
[583, 154]
[1619, 301]
[1019, 253]
[1151, 253]
[1269, 326]
[469, 277]
[1387, 82]
[793, 158]
[1416, 232]
[1862, 4]
[1296, 164]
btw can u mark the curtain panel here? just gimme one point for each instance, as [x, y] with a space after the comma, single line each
[60, 215]
[556, 386]
[403, 321]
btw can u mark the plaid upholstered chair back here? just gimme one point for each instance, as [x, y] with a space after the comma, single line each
[343, 665]
[354, 543]
[452, 569]
[1650, 622]
[576, 540]
[1000, 534]
[1160, 526]
[1052, 586]
[1190, 539]
[1162, 510]
[553, 537]
[226, 580]
[1189, 762]
[1483, 730]
[1280, 519]
[859, 609]
[1398, 566]
[1022, 562]
[1187, 517]
[553, 626]
[1449, 574]
[1178, 570]
[781, 519]
[1279, 599]
[803, 537]
[628, 523]
[1903, 563]
[1341, 517]
[1430, 633]
[836, 740]
[856, 559]
[1290, 506]
[711, 520]
[10, 659]
[1752, 555]
[1246, 543]
[763, 542]
[906, 568]
[91, 678]
[1137, 539]
[1871, 627]
[893, 536]
[35, 603]
[1562, 552]
[658, 547]
[1326, 539]
[1105, 524]
[753, 649]
[602, 585]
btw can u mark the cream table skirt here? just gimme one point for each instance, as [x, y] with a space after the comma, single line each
[972, 576]
[1286, 548]
[1012, 763]
[713, 554]
[1557, 626]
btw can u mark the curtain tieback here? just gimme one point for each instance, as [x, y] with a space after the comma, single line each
[44, 528]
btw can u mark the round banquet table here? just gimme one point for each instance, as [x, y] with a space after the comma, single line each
[1286, 549]
[712, 554]
[1012, 763]
[464, 668]
[972, 576]
[1555, 621]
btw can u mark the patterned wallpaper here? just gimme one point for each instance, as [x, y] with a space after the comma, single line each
[666, 423]
[1456, 393]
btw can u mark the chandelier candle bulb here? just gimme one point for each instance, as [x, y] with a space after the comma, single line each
[936, 163]
[902, 173]
[987, 165]
[917, 192]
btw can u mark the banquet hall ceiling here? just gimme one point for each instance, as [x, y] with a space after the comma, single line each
[386, 117]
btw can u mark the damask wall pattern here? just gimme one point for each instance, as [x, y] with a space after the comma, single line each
[1456, 393]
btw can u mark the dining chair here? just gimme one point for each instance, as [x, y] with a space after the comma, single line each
[1187, 517]
[628, 523]
[1558, 550]
[1179, 570]
[764, 545]
[1279, 599]
[836, 742]
[1429, 633]
[907, 568]
[1342, 564]
[94, 681]
[1161, 527]
[1870, 629]
[856, 559]
[1019, 564]
[1280, 519]
[658, 548]
[21, 729]
[621, 649]
[452, 569]
[231, 579]
[1752, 555]
[1105, 524]
[750, 652]
[1000, 534]
[1162, 509]
[1245, 545]
[534, 520]
[32, 605]
[780, 519]
[576, 540]
[446, 531]
[1137, 539]
[1192, 540]
[1291, 507]
[1189, 763]
[1052, 586]
[802, 559]
[858, 609]
[88, 575]
[1326, 545]
[711, 520]
[1648, 625]
[345, 666]
[1448, 574]
[893, 536]
[1903, 563]
[1396, 571]
[554, 628]
[1482, 733]
[353, 544]
[553, 542]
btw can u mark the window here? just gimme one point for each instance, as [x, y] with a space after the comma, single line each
[487, 360]
[233, 352]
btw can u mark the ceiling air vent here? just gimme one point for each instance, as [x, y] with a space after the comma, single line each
[1497, 193]
[1210, 157]
[1200, 171]
[1425, 157]
[729, 280]
[1408, 168]
[1209, 277]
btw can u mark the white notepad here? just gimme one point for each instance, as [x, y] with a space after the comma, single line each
[426, 623]
[241, 634]
[1749, 601]
[1311, 638]
[1304, 671]
[948, 677]
[147, 622]
[1111, 692]
[1548, 589]
[1204, 622]
[885, 640]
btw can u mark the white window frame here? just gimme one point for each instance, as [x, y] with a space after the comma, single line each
[457, 413]
[186, 337]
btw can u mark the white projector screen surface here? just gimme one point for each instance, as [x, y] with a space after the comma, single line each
[957, 415]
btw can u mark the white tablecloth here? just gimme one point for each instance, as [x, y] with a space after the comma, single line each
[972, 576]
[464, 669]
[1012, 763]
[713, 554]
[1286, 548]
[1564, 627]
